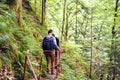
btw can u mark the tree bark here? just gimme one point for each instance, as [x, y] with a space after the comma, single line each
[76, 27]
[66, 28]
[113, 46]
[91, 54]
[19, 12]
[43, 12]
[63, 21]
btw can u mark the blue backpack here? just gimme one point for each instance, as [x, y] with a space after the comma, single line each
[48, 43]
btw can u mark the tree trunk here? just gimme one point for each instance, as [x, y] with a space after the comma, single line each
[19, 12]
[63, 22]
[76, 28]
[43, 12]
[91, 54]
[66, 28]
[113, 46]
[35, 6]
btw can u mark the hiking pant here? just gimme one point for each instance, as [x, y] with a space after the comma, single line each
[50, 58]
[57, 58]
[57, 62]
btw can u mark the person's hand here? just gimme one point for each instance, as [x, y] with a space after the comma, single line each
[59, 49]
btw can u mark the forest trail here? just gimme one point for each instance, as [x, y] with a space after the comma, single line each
[57, 72]
[47, 76]
[52, 77]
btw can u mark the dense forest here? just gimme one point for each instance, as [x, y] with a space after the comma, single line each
[89, 33]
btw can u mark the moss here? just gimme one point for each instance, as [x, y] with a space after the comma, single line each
[19, 40]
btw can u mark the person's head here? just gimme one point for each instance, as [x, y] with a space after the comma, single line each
[50, 31]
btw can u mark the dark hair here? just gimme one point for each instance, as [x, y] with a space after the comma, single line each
[53, 35]
[50, 31]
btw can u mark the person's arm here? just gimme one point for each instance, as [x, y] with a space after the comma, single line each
[55, 43]
[58, 42]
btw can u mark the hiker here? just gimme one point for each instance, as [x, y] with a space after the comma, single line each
[57, 53]
[49, 45]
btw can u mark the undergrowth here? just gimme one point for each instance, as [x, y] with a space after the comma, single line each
[16, 40]
[73, 66]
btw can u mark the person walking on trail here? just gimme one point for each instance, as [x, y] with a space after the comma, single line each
[49, 45]
[57, 54]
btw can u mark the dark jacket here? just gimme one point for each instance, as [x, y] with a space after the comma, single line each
[57, 41]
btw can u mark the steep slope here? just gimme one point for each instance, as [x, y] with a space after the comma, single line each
[16, 40]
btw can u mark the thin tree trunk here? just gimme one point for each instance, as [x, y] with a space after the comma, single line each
[91, 55]
[76, 28]
[113, 46]
[43, 12]
[19, 12]
[66, 28]
[35, 6]
[63, 21]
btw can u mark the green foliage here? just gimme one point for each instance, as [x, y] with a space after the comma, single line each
[75, 61]
[3, 6]
[73, 66]
[98, 14]
[16, 41]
